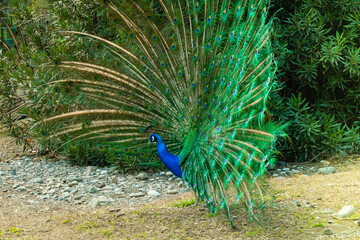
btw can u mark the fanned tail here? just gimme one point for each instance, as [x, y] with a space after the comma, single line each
[197, 72]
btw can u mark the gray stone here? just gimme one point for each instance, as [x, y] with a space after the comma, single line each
[76, 178]
[109, 188]
[328, 232]
[68, 189]
[153, 193]
[91, 189]
[21, 189]
[51, 191]
[38, 180]
[94, 203]
[105, 200]
[172, 191]
[296, 171]
[142, 176]
[73, 183]
[139, 194]
[65, 195]
[168, 173]
[346, 211]
[114, 180]
[327, 170]
[90, 169]
[162, 173]
[77, 197]
[32, 202]
[286, 169]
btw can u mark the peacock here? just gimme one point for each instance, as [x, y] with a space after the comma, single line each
[190, 77]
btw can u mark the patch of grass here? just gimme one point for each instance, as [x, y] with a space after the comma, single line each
[318, 225]
[211, 215]
[66, 221]
[252, 233]
[184, 203]
[86, 226]
[106, 232]
[14, 230]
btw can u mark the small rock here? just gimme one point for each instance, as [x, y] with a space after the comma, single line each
[91, 190]
[115, 210]
[330, 221]
[286, 169]
[73, 183]
[51, 191]
[139, 194]
[32, 202]
[105, 200]
[21, 189]
[168, 173]
[38, 180]
[114, 180]
[172, 191]
[328, 232]
[296, 171]
[275, 175]
[94, 203]
[90, 169]
[142, 176]
[325, 162]
[358, 222]
[327, 170]
[330, 184]
[108, 188]
[118, 191]
[101, 185]
[153, 193]
[346, 211]
[77, 179]
[161, 173]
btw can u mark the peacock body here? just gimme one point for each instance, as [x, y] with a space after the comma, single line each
[191, 76]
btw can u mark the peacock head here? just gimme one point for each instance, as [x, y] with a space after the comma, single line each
[153, 138]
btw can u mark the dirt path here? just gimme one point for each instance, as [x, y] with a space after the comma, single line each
[298, 208]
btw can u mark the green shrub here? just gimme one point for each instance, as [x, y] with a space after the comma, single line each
[317, 44]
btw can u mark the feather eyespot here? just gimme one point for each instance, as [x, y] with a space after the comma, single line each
[174, 20]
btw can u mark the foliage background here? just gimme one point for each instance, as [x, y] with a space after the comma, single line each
[316, 43]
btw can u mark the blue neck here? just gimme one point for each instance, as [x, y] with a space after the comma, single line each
[170, 161]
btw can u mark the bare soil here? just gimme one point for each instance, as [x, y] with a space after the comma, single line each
[297, 208]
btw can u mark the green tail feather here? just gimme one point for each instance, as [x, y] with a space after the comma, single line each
[199, 72]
